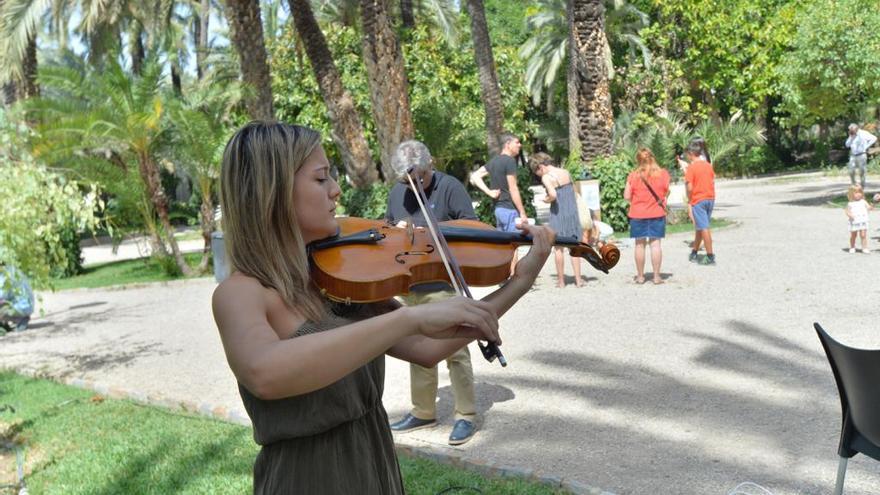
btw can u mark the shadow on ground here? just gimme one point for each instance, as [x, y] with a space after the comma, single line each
[707, 432]
[820, 195]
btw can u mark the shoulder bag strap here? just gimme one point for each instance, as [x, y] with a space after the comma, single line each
[651, 190]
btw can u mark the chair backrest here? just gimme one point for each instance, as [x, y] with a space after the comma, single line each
[857, 373]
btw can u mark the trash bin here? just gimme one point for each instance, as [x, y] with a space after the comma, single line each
[221, 264]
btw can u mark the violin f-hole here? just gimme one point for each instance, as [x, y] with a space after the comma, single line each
[399, 256]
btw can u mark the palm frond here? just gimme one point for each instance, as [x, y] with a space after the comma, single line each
[18, 23]
[443, 15]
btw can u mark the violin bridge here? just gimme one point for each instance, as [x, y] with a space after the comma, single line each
[410, 231]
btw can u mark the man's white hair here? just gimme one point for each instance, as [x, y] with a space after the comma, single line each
[410, 154]
[853, 127]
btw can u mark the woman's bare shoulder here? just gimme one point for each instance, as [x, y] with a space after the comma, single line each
[238, 285]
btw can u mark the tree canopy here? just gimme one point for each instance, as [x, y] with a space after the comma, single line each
[831, 70]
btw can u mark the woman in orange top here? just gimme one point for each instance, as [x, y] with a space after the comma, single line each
[646, 190]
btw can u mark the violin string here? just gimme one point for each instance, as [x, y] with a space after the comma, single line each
[417, 189]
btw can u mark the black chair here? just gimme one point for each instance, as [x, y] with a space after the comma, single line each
[857, 373]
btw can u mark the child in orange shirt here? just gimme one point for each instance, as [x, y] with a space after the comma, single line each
[700, 179]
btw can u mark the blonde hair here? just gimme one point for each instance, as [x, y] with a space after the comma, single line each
[263, 238]
[851, 192]
[539, 159]
[646, 164]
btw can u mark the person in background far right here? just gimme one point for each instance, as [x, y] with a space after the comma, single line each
[857, 212]
[858, 142]
[700, 180]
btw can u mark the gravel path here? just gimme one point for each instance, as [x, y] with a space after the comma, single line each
[694, 386]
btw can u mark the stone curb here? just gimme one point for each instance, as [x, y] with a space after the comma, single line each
[484, 467]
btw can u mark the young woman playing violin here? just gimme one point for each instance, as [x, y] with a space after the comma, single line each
[310, 371]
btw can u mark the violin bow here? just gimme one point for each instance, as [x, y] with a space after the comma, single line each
[490, 350]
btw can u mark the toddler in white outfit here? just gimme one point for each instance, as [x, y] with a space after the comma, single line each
[857, 212]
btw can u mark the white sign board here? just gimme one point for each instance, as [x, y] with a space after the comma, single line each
[589, 190]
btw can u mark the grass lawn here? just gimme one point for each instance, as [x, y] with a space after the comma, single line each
[715, 223]
[77, 443]
[122, 272]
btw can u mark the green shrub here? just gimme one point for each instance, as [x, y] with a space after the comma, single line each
[71, 262]
[524, 182]
[485, 210]
[370, 202]
[168, 265]
[874, 165]
[612, 172]
[753, 161]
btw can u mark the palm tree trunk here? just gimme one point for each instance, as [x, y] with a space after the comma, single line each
[348, 132]
[489, 90]
[386, 76]
[148, 214]
[28, 86]
[247, 36]
[176, 83]
[406, 14]
[574, 143]
[200, 33]
[136, 48]
[206, 217]
[150, 175]
[10, 94]
[595, 118]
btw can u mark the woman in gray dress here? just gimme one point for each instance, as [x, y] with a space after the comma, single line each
[310, 373]
[563, 210]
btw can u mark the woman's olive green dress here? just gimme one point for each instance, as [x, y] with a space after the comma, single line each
[335, 440]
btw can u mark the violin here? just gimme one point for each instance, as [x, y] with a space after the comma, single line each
[369, 260]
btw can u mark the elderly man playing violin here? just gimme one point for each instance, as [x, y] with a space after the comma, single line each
[448, 200]
[310, 371]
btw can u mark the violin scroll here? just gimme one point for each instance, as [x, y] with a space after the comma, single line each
[610, 254]
[603, 260]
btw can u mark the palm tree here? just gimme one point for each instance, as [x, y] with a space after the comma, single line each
[247, 36]
[441, 14]
[550, 48]
[272, 21]
[547, 49]
[668, 133]
[18, 52]
[348, 131]
[344, 12]
[110, 115]
[595, 118]
[490, 93]
[200, 35]
[201, 122]
[148, 26]
[386, 73]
